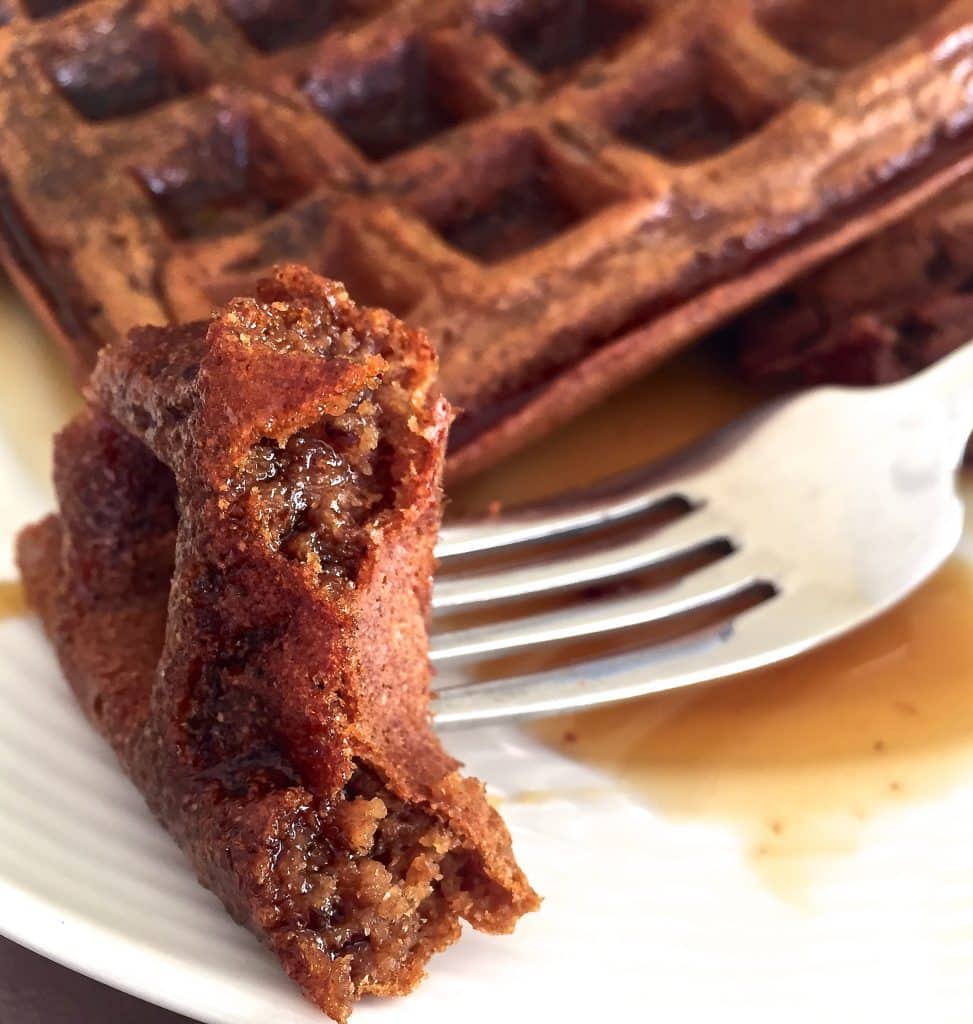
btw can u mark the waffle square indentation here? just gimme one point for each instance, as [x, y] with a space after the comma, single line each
[272, 25]
[552, 35]
[687, 120]
[221, 180]
[47, 8]
[529, 207]
[116, 69]
[841, 35]
[399, 101]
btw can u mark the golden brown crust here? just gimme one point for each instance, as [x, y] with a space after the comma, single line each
[258, 660]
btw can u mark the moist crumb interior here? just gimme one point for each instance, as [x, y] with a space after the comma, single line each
[315, 492]
[372, 880]
[369, 880]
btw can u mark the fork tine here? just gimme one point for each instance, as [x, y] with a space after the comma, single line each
[557, 519]
[781, 627]
[697, 528]
[731, 575]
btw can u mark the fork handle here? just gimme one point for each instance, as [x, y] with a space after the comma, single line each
[951, 381]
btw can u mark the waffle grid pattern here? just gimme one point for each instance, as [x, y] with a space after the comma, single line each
[534, 182]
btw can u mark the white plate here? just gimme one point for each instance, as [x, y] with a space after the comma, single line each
[754, 873]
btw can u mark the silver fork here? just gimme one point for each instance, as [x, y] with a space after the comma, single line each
[839, 501]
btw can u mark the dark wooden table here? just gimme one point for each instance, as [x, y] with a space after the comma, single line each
[35, 991]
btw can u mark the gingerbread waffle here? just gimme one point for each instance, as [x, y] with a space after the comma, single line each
[237, 585]
[559, 191]
[885, 309]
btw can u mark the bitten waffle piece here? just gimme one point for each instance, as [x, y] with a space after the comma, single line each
[881, 311]
[237, 585]
[561, 192]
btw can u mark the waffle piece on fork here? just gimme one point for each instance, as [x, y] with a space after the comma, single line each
[237, 584]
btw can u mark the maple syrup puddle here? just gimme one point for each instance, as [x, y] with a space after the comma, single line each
[796, 761]
[13, 602]
[799, 758]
